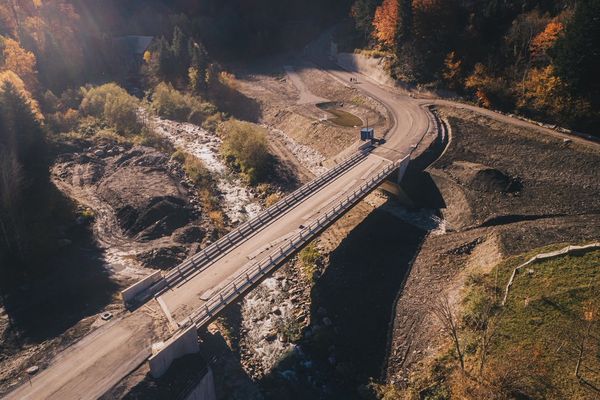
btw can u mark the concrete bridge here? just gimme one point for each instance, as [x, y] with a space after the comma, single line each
[191, 295]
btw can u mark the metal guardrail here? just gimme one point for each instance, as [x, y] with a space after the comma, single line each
[204, 257]
[260, 268]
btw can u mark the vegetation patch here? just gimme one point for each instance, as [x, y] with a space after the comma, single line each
[245, 149]
[541, 344]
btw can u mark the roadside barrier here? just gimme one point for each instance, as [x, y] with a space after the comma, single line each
[204, 258]
[258, 270]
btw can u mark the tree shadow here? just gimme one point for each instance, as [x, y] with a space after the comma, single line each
[77, 285]
[351, 312]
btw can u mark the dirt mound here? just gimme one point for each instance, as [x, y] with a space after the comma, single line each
[482, 178]
[148, 202]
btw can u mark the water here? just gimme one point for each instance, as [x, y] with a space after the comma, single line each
[238, 201]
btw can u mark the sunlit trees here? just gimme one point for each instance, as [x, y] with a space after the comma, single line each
[245, 147]
[544, 40]
[386, 23]
[20, 61]
[113, 104]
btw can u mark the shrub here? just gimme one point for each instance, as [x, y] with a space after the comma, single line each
[245, 148]
[150, 138]
[197, 172]
[169, 103]
[114, 105]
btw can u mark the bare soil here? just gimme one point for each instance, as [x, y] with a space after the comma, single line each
[502, 190]
[279, 99]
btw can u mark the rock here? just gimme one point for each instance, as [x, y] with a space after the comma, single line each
[269, 337]
[99, 153]
[276, 311]
[32, 370]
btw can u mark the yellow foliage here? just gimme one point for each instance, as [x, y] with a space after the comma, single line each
[543, 91]
[19, 61]
[385, 22]
[18, 83]
[452, 70]
[147, 57]
[480, 81]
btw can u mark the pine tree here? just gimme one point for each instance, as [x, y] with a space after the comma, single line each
[576, 54]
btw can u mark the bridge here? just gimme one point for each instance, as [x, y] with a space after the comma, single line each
[171, 308]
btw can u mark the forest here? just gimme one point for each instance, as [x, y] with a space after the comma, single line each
[536, 58]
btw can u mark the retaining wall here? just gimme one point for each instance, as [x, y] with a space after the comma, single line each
[132, 291]
[185, 342]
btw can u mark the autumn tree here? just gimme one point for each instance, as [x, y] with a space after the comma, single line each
[452, 72]
[545, 40]
[386, 22]
[20, 61]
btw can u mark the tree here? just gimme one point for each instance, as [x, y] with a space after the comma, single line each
[20, 61]
[544, 40]
[576, 54]
[362, 13]
[385, 23]
[452, 70]
[445, 314]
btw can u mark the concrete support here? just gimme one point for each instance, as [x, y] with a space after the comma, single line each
[129, 294]
[183, 343]
[205, 390]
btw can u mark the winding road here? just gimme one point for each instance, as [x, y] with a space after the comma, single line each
[96, 363]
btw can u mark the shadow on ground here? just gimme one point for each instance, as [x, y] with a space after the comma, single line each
[77, 285]
[352, 305]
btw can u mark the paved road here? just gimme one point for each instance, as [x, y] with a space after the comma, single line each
[96, 363]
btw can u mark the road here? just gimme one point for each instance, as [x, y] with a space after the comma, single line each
[97, 362]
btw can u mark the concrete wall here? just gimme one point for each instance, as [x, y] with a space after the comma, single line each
[374, 68]
[205, 389]
[132, 291]
[183, 343]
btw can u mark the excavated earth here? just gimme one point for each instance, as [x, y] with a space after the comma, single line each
[502, 190]
[145, 210]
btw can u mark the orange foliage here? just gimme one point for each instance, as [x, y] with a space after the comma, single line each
[21, 62]
[545, 39]
[386, 22]
[17, 82]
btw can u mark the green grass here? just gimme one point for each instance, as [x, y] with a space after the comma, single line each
[541, 325]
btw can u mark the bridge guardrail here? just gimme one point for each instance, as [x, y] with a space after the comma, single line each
[202, 258]
[254, 273]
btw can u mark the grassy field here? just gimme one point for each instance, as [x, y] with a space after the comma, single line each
[536, 339]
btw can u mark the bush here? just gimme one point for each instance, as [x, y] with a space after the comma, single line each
[245, 148]
[114, 105]
[152, 139]
[172, 104]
